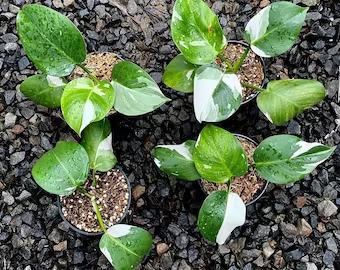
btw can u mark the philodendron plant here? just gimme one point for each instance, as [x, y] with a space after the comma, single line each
[64, 170]
[217, 156]
[218, 93]
[56, 47]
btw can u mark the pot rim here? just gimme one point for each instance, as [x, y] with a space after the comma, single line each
[74, 228]
[241, 42]
[259, 195]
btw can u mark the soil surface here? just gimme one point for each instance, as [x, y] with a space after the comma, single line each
[291, 227]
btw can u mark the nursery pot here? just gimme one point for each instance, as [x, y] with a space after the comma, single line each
[83, 202]
[252, 70]
[259, 181]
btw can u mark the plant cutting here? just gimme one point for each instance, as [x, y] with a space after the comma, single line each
[222, 75]
[221, 158]
[94, 203]
[56, 47]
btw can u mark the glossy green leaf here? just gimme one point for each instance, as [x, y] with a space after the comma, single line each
[196, 31]
[44, 89]
[97, 141]
[284, 159]
[50, 40]
[285, 99]
[220, 214]
[218, 155]
[217, 96]
[275, 28]
[125, 246]
[136, 92]
[177, 160]
[62, 169]
[83, 102]
[179, 74]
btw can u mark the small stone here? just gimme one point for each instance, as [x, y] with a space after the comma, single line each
[288, 230]
[23, 63]
[193, 255]
[24, 195]
[262, 231]
[137, 192]
[304, 228]
[18, 129]
[10, 120]
[267, 250]
[9, 37]
[58, 3]
[132, 7]
[311, 266]
[327, 209]
[294, 255]
[11, 47]
[78, 257]
[182, 241]
[8, 198]
[294, 128]
[55, 236]
[166, 261]
[331, 245]
[328, 258]
[264, 3]
[61, 246]
[17, 157]
[27, 112]
[301, 201]
[162, 248]
[9, 96]
[68, 3]
[311, 3]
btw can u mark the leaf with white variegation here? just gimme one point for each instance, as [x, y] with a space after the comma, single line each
[84, 102]
[51, 40]
[97, 141]
[180, 74]
[62, 169]
[217, 96]
[44, 89]
[219, 155]
[220, 213]
[284, 99]
[275, 28]
[177, 160]
[125, 246]
[136, 92]
[196, 31]
[284, 159]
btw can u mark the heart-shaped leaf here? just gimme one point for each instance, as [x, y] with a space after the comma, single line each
[62, 169]
[177, 160]
[217, 96]
[125, 246]
[284, 159]
[218, 155]
[220, 213]
[83, 102]
[44, 89]
[179, 74]
[136, 92]
[275, 28]
[196, 31]
[97, 141]
[50, 40]
[285, 99]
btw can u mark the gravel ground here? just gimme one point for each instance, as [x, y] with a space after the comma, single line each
[291, 227]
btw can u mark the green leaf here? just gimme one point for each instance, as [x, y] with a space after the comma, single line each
[97, 141]
[50, 40]
[220, 214]
[218, 155]
[83, 102]
[285, 99]
[125, 246]
[44, 89]
[136, 92]
[177, 160]
[179, 74]
[284, 159]
[274, 29]
[62, 169]
[196, 31]
[217, 96]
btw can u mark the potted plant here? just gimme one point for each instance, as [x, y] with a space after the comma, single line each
[221, 75]
[56, 47]
[219, 157]
[94, 203]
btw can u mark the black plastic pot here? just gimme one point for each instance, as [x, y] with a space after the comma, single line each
[97, 233]
[259, 194]
[263, 67]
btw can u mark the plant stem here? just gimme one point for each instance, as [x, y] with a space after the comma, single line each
[94, 180]
[239, 62]
[248, 85]
[94, 78]
[95, 207]
[225, 60]
[229, 186]
[253, 165]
